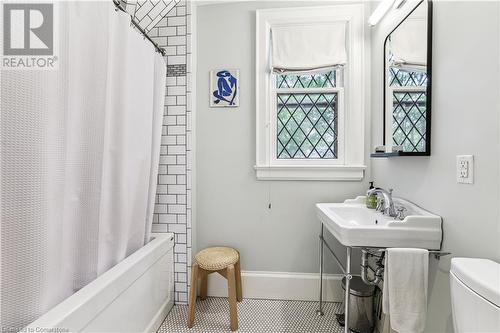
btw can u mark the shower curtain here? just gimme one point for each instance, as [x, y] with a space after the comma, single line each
[80, 148]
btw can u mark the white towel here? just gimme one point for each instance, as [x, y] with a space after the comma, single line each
[405, 289]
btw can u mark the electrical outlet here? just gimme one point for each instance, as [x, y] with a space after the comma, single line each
[465, 169]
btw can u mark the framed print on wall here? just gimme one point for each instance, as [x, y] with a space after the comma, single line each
[225, 88]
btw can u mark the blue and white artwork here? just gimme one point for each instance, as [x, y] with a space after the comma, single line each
[224, 88]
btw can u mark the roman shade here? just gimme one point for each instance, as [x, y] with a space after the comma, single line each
[306, 47]
[409, 44]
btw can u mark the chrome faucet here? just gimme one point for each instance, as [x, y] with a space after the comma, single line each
[387, 204]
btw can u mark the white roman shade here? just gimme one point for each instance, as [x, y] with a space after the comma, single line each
[308, 47]
[409, 44]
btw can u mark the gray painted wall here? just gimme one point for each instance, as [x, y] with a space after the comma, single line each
[232, 206]
[465, 120]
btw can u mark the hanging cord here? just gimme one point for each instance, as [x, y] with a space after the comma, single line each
[269, 196]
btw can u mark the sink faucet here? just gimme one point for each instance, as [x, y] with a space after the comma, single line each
[388, 203]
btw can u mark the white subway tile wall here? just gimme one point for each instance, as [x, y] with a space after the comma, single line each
[173, 198]
[149, 12]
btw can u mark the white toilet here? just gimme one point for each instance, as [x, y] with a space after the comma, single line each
[475, 295]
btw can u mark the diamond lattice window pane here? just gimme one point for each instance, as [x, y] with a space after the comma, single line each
[307, 126]
[402, 78]
[409, 109]
[318, 80]
[409, 120]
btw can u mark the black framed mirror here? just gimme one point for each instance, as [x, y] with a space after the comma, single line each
[407, 84]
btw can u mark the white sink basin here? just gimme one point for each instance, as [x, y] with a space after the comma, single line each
[355, 225]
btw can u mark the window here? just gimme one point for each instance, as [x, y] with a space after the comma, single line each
[307, 115]
[310, 119]
[408, 89]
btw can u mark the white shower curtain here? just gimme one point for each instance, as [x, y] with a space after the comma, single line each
[79, 160]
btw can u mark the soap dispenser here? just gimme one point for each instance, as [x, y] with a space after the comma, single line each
[371, 200]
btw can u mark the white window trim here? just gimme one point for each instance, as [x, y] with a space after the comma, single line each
[350, 165]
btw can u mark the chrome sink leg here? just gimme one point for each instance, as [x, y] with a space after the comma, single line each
[319, 312]
[348, 278]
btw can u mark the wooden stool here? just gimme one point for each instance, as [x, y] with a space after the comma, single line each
[226, 262]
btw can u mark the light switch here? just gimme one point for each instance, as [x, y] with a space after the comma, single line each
[465, 169]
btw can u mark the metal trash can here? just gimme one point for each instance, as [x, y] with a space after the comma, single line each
[360, 305]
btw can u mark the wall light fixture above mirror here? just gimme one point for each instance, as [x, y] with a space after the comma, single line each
[380, 12]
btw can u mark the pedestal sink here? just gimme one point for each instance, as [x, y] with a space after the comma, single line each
[354, 225]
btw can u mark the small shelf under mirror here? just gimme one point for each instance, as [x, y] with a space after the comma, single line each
[393, 154]
[397, 154]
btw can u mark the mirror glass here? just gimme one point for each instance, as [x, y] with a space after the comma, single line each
[407, 84]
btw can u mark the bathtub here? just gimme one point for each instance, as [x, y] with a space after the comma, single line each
[133, 296]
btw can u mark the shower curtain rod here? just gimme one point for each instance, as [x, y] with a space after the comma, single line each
[138, 27]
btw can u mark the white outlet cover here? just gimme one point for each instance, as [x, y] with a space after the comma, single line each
[465, 169]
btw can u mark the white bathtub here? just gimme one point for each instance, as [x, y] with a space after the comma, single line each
[133, 296]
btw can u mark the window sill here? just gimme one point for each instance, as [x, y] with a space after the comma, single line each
[331, 173]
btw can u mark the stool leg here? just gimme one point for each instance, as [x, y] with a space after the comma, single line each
[239, 292]
[231, 281]
[204, 284]
[192, 296]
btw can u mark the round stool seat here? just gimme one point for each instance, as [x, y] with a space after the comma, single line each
[216, 258]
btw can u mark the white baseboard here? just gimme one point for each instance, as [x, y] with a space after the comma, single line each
[281, 285]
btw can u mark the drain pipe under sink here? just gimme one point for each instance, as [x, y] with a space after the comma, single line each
[364, 268]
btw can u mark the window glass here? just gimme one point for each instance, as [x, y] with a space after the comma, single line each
[307, 116]
[409, 104]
